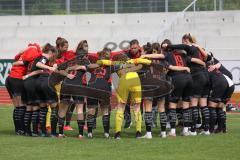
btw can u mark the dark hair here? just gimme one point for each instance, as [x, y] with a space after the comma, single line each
[120, 57]
[60, 42]
[134, 41]
[190, 37]
[156, 46]
[80, 44]
[103, 54]
[48, 47]
[166, 41]
[106, 49]
[148, 48]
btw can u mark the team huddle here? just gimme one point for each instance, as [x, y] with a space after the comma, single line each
[193, 89]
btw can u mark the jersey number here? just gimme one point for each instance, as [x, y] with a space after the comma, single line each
[179, 60]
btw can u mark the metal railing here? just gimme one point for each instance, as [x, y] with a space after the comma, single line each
[43, 7]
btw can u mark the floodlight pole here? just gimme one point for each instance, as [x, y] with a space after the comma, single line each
[215, 5]
[68, 6]
[103, 6]
[116, 7]
[86, 5]
[23, 7]
[220, 5]
[166, 5]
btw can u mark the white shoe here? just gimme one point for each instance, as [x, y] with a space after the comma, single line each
[80, 136]
[172, 133]
[198, 125]
[61, 136]
[106, 135]
[163, 135]
[147, 136]
[192, 133]
[185, 133]
[206, 133]
[90, 135]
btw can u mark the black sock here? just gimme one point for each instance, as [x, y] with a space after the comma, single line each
[213, 118]
[85, 110]
[27, 122]
[163, 121]
[106, 123]
[90, 122]
[186, 117]
[179, 112]
[95, 119]
[16, 119]
[221, 119]
[127, 114]
[22, 111]
[42, 117]
[35, 120]
[81, 124]
[172, 117]
[199, 117]
[154, 115]
[95, 122]
[225, 122]
[195, 114]
[148, 121]
[69, 115]
[205, 118]
[61, 124]
[54, 121]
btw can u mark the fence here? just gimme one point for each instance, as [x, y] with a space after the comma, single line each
[55, 7]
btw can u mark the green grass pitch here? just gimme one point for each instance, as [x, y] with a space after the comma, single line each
[219, 147]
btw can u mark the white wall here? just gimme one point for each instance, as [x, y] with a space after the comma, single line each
[234, 67]
[17, 31]
[216, 31]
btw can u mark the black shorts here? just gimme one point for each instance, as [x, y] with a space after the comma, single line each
[100, 84]
[219, 87]
[183, 84]
[69, 98]
[228, 93]
[45, 93]
[31, 91]
[200, 84]
[14, 86]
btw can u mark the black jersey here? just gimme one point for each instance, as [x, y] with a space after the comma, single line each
[33, 66]
[193, 52]
[79, 74]
[176, 58]
[101, 73]
[216, 76]
[223, 70]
